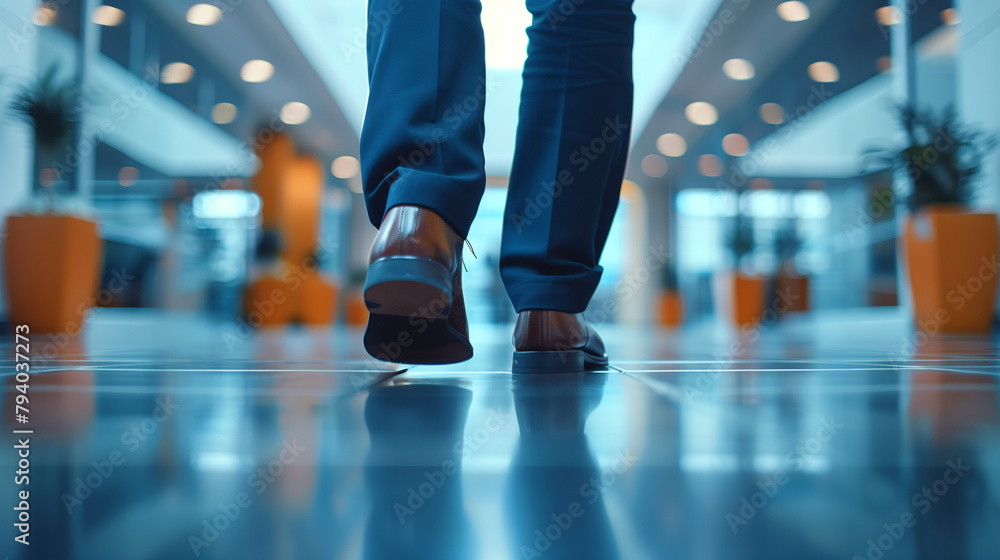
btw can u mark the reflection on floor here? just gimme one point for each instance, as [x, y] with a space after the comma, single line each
[166, 437]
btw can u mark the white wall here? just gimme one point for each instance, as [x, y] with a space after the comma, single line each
[18, 53]
[830, 140]
[979, 83]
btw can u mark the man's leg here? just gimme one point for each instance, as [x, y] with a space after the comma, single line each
[423, 170]
[422, 140]
[572, 142]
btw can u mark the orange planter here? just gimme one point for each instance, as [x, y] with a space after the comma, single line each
[269, 302]
[317, 302]
[952, 256]
[356, 312]
[52, 267]
[792, 292]
[671, 308]
[741, 297]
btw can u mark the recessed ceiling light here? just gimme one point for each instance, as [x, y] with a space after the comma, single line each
[738, 69]
[177, 73]
[793, 11]
[108, 16]
[735, 144]
[295, 112]
[256, 71]
[701, 113]
[45, 14]
[345, 167]
[888, 15]
[204, 14]
[772, 113]
[654, 165]
[951, 17]
[671, 144]
[709, 165]
[824, 72]
[224, 113]
[127, 176]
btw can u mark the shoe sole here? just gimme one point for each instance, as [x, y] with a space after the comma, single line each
[556, 361]
[409, 300]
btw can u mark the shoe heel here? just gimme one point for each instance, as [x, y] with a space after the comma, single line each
[409, 300]
[548, 361]
[408, 287]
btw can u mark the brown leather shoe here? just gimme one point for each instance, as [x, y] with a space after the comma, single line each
[556, 342]
[413, 290]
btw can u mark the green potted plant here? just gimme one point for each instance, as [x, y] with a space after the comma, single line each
[789, 283]
[670, 302]
[946, 244]
[51, 109]
[267, 299]
[740, 294]
[52, 254]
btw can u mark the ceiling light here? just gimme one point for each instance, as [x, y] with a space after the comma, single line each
[345, 167]
[654, 165]
[45, 14]
[824, 72]
[176, 73]
[735, 144]
[671, 144]
[888, 15]
[295, 112]
[701, 113]
[772, 113]
[256, 71]
[883, 63]
[951, 17]
[793, 11]
[127, 176]
[738, 69]
[224, 113]
[709, 165]
[204, 14]
[107, 15]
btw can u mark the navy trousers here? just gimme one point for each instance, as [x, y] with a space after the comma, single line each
[422, 140]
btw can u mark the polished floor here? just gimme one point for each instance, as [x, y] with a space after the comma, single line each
[841, 436]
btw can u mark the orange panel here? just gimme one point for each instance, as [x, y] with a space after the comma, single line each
[276, 152]
[301, 197]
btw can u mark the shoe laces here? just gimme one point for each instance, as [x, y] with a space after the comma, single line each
[471, 250]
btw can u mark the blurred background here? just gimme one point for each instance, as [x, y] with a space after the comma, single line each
[810, 201]
[203, 158]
